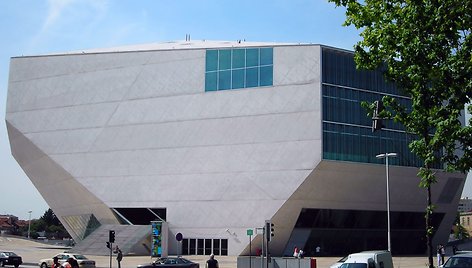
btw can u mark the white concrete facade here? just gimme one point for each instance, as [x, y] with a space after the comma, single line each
[134, 127]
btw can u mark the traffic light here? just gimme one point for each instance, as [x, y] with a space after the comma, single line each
[269, 227]
[376, 120]
[111, 236]
[108, 245]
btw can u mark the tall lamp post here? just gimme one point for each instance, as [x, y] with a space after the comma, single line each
[29, 223]
[387, 156]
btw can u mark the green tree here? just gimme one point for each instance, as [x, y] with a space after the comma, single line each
[424, 46]
[50, 218]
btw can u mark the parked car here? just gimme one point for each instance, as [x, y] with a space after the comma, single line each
[463, 260]
[83, 261]
[339, 263]
[10, 258]
[169, 262]
[367, 259]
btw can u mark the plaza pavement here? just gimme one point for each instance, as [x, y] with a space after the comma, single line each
[32, 251]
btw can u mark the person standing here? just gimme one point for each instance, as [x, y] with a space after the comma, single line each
[438, 254]
[68, 263]
[212, 262]
[295, 252]
[119, 256]
[55, 262]
[443, 254]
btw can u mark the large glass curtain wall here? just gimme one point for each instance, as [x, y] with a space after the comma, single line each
[347, 131]
[340, 232]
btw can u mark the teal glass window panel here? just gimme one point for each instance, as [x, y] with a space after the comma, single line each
[211, 81]
[266, 74]
[252, 77]
[267, 56]
[239, 58]
[224, 80]
[224, 59]
[238, 78]
[252, 57]
[211, 60]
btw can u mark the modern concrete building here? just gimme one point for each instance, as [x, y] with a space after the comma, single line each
[215, 138]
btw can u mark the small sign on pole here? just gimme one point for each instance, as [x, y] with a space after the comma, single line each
[250, 232]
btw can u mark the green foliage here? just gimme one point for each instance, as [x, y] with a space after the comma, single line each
[426, 46]
[48, 223]
[460, 232]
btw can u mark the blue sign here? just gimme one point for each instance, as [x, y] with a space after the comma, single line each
[156, 239]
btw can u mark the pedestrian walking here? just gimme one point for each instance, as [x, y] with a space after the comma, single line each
[119, 256]
[212, 262]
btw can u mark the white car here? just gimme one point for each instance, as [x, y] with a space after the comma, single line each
[62, 257]
[339, 263]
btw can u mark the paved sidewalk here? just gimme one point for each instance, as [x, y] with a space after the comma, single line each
[32, 252]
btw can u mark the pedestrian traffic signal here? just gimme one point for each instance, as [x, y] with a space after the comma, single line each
[111, 236]
[376, 120]
[269, 230]
[108, 245]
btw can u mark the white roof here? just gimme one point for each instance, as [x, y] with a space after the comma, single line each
[197, 44]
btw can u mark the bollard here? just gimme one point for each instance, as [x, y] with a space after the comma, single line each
[312, 263]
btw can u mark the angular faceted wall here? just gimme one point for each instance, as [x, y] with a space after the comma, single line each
[136, 129]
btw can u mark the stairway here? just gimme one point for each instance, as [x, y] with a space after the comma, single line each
[132, 240]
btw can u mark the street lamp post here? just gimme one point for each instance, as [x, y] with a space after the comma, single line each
[29, 223]
[386, 156]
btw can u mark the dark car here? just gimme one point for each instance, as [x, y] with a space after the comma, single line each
[177, 262]
[10, 258]
[459, 261]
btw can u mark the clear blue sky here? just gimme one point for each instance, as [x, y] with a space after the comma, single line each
[30, 27]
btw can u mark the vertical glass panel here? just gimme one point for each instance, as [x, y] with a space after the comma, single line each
[266, 76]
[185, 246]
[216, 246]
[192, 247]
[252, 77]
[207, 246]
[211, 60]
[211, 81]
[239, 58]
[200, 247]
[252, 57]
[224, 59]
[224, 80]
[224, 247]
[267, 56]
[238, 79]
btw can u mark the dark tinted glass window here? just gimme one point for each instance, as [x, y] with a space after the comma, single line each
[347, 130]
[345, 231]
